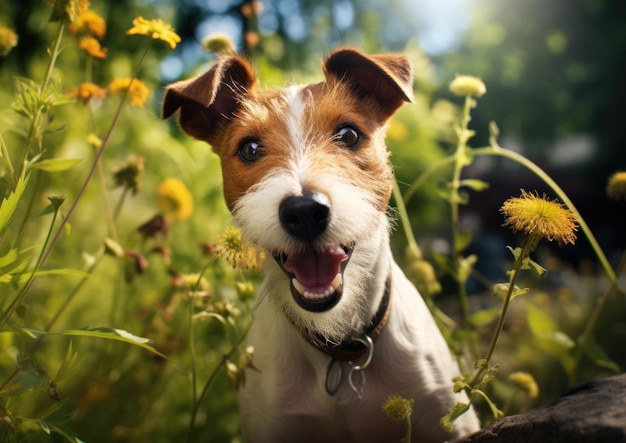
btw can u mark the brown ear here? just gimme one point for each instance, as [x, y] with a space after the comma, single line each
[388, 78]
[210, 100]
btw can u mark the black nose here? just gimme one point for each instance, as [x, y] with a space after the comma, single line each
[304, 217]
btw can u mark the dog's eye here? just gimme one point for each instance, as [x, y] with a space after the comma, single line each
[250, 150]
[348, 136]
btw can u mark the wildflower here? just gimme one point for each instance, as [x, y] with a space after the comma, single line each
[68, 10]
[94, 141]
[86, 91]
[8, 40]
[540, 217]
[467, 85]
[89, 22]
[128, 175]
[238, 253]
[423, 276]
[136, 265]
[155, 29]
[616, 188]
[92, 47]
[175, 199]
[233, 373]
[137, 90]
[154, 227]
[525, 383]
[219, 43]
[245, 290]
[398, 408]
[194, 282]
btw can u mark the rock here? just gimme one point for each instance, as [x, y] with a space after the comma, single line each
[591, 412]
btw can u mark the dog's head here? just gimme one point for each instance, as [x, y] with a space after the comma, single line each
[306, 174]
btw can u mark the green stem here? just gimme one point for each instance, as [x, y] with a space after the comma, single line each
[459, 162]
[22, 292]
[435, 167]
[34, 125]
[593, 321]
[5, 154]
[531, 241]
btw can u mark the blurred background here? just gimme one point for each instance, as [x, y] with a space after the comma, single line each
[555, 77]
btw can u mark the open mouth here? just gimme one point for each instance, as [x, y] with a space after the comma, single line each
[316, 276]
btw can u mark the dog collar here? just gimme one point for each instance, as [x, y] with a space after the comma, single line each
[350, 350]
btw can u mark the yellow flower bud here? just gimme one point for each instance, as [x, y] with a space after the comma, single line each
[467, 85]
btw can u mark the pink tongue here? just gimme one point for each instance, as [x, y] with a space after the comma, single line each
[316, 269]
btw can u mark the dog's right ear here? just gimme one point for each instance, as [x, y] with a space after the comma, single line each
[210, 100]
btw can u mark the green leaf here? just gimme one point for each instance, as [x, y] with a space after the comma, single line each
[105, 333]
[9, 258]
[485, 316]
[31, 378]
[113, 334]
[9, 204]
[57, 406]
[599, 357]
[462, 240]
[43, 425]
[539, 321]
[475, 184]
[69, 364]
[21, 278]
[57, 164]
[466, 266]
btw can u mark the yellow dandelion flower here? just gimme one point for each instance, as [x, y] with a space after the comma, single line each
[86, 91]
[137, 90]
[525, 383]
[175, 199]
[8, 40]
[92, 47]
[90, 22]
[398, 408]
[231, 247]
[616, 188]
[539, 216]
[467, 85]
[155, 29]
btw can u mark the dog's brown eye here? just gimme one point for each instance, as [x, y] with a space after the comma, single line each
[250, 150]
[348, 136]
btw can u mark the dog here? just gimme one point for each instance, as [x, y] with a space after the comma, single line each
[338, 328]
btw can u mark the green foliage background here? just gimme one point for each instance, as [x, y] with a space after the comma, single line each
[552, 69]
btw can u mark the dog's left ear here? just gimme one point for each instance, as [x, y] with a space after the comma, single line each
[386, 78]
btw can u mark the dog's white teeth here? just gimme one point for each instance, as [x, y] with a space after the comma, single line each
[336, 282]
[334, 285]
[296, 284]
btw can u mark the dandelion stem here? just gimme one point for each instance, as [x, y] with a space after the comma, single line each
[459, 162]
[435, 167]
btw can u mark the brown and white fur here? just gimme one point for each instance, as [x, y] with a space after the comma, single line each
[307, 178]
